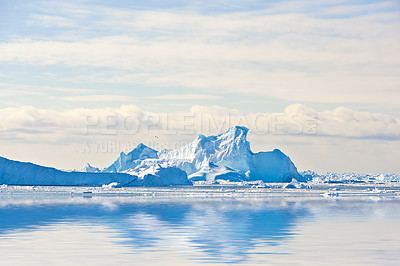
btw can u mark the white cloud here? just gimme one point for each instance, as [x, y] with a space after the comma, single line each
[288, 55]
[19, 89]
[186, 97]
[332, 140]
[52, 21]
[11, 93]
[99, 98]
[295, 120]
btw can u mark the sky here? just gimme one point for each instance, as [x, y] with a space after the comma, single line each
[83, 80]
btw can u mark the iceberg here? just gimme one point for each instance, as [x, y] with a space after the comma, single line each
[226, 156]
[21, 173]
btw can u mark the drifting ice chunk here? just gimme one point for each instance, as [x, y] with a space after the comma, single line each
[112, 185]
[295, 184]
[330, 194]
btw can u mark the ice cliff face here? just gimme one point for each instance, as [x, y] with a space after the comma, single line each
[273, 166]
[226, 156]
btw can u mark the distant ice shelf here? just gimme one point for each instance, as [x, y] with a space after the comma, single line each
[350, 178]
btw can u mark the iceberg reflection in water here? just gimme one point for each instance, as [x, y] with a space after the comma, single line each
[121, 230]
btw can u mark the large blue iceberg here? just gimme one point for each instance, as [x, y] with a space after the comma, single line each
[226, 156]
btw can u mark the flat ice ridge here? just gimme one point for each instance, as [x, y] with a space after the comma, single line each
[20, 173]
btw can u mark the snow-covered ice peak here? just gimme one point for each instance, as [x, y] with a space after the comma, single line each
[225, 156]
[132, 159]
[236, 133]
[227, 149]
[89, 169]
[141, 152]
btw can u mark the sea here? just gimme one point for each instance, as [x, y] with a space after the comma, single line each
[203, 225]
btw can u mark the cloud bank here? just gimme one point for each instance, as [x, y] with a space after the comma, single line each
[29, 122]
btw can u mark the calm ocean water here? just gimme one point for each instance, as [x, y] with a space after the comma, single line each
[138, 231]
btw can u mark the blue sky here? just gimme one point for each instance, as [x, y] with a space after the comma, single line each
[339, 59]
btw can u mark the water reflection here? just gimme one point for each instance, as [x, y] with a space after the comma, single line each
[206, 231]
[223, 230]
